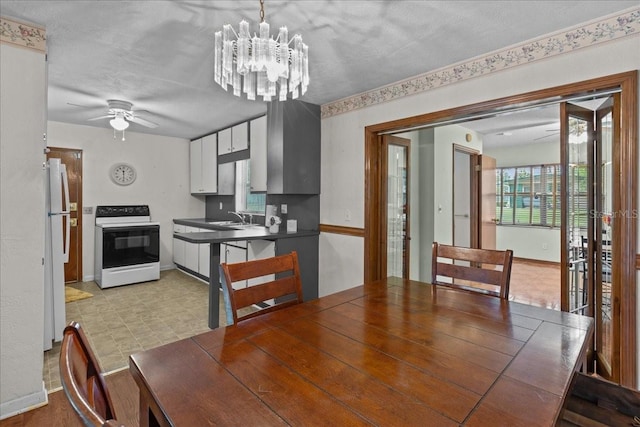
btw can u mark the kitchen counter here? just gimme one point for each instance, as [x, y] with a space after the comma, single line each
[221, 234]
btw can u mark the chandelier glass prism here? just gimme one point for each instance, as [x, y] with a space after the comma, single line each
[261, 65]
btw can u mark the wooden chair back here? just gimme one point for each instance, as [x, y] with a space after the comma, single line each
[285, 290]
[473, 270]
[82, 379]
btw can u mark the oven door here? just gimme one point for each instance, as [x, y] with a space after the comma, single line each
[130, 245]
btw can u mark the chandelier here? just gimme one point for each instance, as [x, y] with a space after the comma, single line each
[261, 65]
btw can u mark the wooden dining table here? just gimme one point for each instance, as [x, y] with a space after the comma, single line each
[391, 353]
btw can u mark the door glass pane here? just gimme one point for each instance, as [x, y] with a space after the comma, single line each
[577, 215]
[396, 210]
[606, 215]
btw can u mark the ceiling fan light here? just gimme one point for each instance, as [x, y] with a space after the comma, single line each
[119, 123]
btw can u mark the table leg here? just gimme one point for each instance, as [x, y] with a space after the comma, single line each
[144, 411]
[214, 286]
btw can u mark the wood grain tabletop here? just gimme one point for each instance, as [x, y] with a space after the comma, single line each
[392, 352]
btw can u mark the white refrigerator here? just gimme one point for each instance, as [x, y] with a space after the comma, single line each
[57, 233]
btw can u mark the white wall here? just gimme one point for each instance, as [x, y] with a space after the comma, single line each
[22, 216]
[542, 153]
[343, 135]
[162, 166]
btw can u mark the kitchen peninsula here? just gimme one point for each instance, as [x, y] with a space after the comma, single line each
[305, 242]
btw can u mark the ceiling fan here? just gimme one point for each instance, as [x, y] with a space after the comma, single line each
[121, 113]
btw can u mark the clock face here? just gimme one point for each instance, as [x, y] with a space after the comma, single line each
[123, 174]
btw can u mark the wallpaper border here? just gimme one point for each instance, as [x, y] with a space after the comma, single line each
[23, 34]
[609, 28]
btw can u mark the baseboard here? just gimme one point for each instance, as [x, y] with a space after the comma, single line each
[537, 261]
[24, 403]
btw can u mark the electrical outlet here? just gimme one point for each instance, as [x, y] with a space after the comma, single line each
[347, 215]
[88, 210]
[283, 208]
[220, 205]
[545, 246]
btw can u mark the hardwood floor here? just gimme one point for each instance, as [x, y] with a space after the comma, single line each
[535, 283]
[124, 393]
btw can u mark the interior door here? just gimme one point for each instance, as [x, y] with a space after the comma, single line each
[463, 201]
[395, 164]
[73, 160]
[488, 204]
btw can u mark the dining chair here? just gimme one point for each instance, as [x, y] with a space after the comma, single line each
[83, 381]
[285, 290]
[484, 271]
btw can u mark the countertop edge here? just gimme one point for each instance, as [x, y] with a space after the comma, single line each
[219, 234]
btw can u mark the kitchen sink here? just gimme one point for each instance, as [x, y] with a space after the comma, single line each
[234, 225]
[238, 226]
[226, 223]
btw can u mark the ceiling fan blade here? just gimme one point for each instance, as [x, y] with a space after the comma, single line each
[88, 107]
[101, 117]
[143, 122]
[547, 136]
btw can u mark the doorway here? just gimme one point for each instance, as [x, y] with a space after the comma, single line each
[624, 157]
[73, 160]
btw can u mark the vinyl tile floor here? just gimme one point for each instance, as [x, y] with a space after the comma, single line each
[127, 319]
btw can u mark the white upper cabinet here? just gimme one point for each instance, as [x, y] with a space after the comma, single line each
[224, 141]
[233, 139]
[258, 147]
[240, 137]
[204, 165]
[195, 160]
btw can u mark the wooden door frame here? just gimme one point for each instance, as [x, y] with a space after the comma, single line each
[625, 156]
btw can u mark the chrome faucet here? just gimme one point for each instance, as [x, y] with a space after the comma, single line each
[239, 215]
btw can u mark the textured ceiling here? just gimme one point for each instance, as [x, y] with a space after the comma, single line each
[159, 54]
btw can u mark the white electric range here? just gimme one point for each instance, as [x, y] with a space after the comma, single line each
[127, 246]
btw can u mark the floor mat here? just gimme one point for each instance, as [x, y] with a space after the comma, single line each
[73, 294]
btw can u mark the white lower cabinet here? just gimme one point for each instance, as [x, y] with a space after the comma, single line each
[179, 246]
[197, 256]
[192, 257]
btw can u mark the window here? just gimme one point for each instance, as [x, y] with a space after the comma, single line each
[529, 195]
[246, 201]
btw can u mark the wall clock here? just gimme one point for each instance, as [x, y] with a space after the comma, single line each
[122, 174]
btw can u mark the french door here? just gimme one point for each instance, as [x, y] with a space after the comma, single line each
[590, 282]
[395, 181]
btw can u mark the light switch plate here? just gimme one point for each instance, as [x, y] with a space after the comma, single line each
[283, 208]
